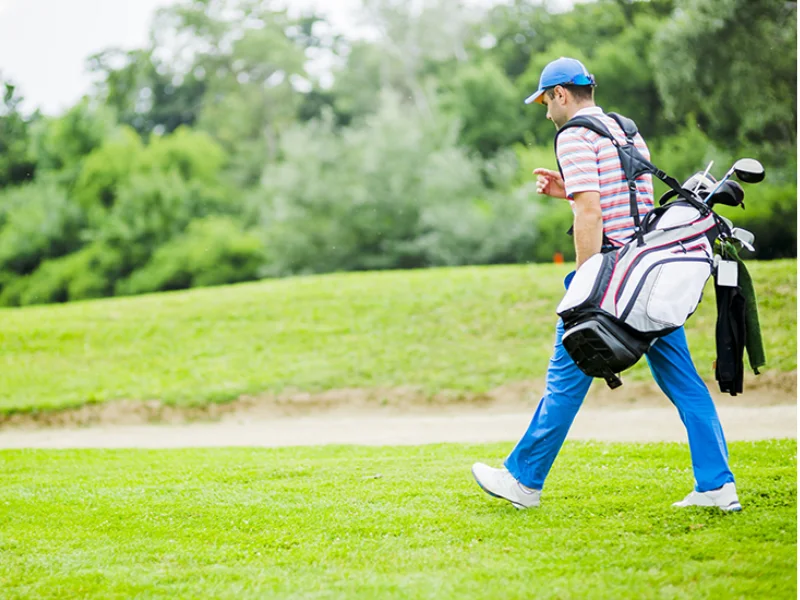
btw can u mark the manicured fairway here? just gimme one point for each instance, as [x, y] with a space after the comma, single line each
[372, 523]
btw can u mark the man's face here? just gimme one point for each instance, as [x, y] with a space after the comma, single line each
[556, 106]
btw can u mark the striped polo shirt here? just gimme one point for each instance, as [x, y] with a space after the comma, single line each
[590, 163]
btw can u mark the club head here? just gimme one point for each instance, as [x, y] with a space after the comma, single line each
[729, 194]
[744, 237]
[748, 170]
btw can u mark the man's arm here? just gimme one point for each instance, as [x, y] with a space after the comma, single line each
[578, 158]
[588, 226]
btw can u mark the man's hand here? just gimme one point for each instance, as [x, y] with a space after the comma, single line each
[588, 227]
[550, 183]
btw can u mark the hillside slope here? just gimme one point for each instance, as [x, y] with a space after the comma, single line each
[470, 329]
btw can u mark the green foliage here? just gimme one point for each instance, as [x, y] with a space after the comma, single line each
[37, 221]
[213, 251]
[393, 150]
[16, 158]
[152, 209]
[733, 63]
[356, 89]
[188, 155]
[382, 523]
[105, 170]
[467, 329]
[145, 93]
[61, 144]
[136, 198]
[250, 67]
[194, 155]
[626, 74]
[355, 201]
[488, 106]
[501, 229]
[530, 157]
[88, 273]
[513, 32]
[555, 220]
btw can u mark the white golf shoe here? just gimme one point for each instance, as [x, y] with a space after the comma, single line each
[724, 498]
[501, 484]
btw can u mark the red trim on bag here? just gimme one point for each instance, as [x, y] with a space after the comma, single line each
[689, 249]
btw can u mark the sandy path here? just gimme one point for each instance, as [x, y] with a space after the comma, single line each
[646, 424]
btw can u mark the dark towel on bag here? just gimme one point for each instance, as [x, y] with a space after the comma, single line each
[731, 335]
[737, 328]
[753, 341]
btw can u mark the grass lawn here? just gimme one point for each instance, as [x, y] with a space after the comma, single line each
[355, 522]
[467, 329]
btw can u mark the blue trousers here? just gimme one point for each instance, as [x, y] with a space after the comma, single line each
[567, 386]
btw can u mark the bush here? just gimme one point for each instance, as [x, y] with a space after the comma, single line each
[82, 275]
[554, 220]
[530, 157]
[105, 170]
[150, 211]
[60, 144]
[109, 170]
[214, 251]
[37, 221]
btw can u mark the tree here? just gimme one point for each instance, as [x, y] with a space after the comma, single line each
[60, 144]
[732, 63]
[413, 38]
[512, 33]
[626, 80]
[37, 221]
[488, 106]
[146, 93]
[17, 164]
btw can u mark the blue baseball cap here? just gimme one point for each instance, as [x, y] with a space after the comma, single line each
[561, 71]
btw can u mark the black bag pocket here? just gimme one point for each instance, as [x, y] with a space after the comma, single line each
[601, 347]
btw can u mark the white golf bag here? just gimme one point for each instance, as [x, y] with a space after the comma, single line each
[620, 302]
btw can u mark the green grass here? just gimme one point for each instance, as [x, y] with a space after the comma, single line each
[349, 522]
[468, 329]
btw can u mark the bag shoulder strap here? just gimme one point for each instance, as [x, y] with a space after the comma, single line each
[627, 125]
[586, 121]
[632, 161]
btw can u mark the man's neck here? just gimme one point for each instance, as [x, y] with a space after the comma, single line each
[579, 107]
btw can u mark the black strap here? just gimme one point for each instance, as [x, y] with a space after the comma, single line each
[626, 161]
[628, 167]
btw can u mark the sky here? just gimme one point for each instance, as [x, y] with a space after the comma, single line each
[44, 44]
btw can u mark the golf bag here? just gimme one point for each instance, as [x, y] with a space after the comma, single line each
[620, 302]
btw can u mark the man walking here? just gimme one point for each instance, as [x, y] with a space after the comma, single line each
[594, 183]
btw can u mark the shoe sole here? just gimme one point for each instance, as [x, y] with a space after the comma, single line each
[733, 507]
[493, 495]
